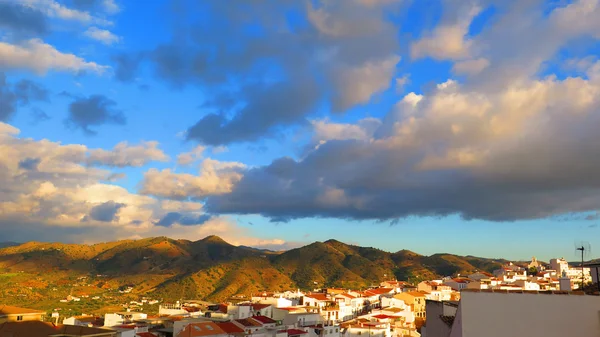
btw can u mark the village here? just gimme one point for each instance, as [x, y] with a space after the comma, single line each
[434, 308]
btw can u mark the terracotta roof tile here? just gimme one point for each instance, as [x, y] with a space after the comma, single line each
[318, 296]
[201, 329]
[295, 332]
[229, 327]
[264, 319]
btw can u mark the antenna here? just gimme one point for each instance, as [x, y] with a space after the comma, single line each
[584, 248]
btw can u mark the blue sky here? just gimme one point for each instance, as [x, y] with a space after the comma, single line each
[459, 126]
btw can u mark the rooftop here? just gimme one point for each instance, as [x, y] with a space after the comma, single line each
[201, 329]
[230, 327]
[264, 319]
[318, 296]
[44, 329]
[541, 292]
[10, 310]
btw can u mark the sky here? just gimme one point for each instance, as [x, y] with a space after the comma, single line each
[439, 126]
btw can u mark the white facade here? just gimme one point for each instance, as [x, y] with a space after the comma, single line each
[523, 314]
[559, 265]
[119, 318]
[239, 311]
[169, 309]
[277, 302]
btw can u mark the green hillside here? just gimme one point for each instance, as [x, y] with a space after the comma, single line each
[40, 274]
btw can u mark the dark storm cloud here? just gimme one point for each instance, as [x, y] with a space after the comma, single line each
[106, 212]
[263, 112]
[185, 220]
[20, 94]
[94, 111]
[535, 175]
[302, 64]
[22, 20]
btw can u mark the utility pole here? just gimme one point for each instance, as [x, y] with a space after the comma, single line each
[582, 249]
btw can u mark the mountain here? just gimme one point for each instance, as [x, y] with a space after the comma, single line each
[211, 268]
[8, 244]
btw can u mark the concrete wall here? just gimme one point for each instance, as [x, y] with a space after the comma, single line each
[435, 327]
[494, 314]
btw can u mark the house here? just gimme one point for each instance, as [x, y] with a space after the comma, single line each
[119, 318]
[46, 329]
[375, 295]
[239, 311]
[318, 300]
[260, 309]
[231, 329]
[458, 283]
[494, 313]
[199, 329]
[16, 314]
[436, 289]
[398, 286]
[265, 321]
[415, 300]
[360, 329]
[559, 265]
[91, 321]
[249, 325]
[480, 275]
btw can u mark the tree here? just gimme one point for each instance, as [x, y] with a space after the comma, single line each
[533, 271]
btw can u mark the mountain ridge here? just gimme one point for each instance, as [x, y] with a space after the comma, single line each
[213, 269]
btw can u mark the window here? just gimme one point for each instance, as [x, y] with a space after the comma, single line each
[19, 318]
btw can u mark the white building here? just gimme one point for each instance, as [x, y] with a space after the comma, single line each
[119, 318]
[501, 314]
[559, 265]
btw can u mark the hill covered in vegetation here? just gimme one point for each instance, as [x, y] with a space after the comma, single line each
[210, 268]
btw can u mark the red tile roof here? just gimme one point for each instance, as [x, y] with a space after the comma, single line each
[347, 295]
[230, 327]
[318, 296]
[294, 332]
[200, 329]
[264, 319]
[382, 316]
[248, 322]
[259, 306]
[378, 291]
[145, 334]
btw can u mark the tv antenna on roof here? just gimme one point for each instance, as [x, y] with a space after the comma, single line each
[584, 248]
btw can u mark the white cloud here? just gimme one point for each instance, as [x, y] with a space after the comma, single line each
[448, 40]
[125, 155]
[102, 35]
[363, 130]
[110, 6]
[60, 198]
[470, 67]
[356, 85]
[39, 57]
[189, 157]
[57, 10]
[215, 178]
